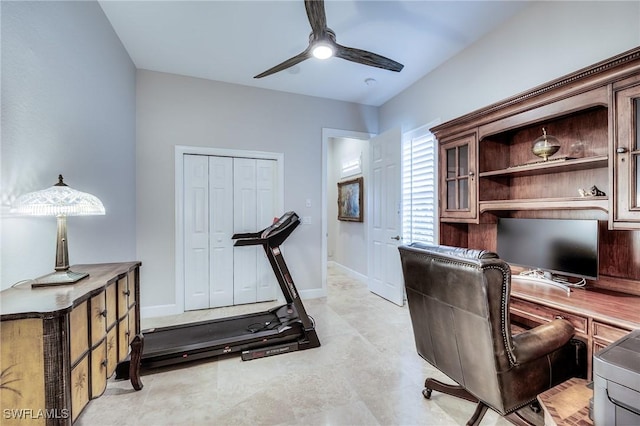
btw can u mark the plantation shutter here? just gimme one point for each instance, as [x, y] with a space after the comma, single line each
[419, 199]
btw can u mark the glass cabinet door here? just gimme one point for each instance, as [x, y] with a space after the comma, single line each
[458, 199]
[626, 163]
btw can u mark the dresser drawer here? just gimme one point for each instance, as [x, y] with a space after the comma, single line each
[132, 323]
[99, 370]
[79, 387]
[79, 325]
[112, 311]
[542, 314]
[112, 351]
[98, 318]
[123, 297]
[132, 285]
[123, 338]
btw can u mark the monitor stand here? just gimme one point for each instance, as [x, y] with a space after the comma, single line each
[542, 277]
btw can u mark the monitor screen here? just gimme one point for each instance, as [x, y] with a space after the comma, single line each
[564, 247]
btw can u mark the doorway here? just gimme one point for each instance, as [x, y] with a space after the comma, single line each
[368, 241]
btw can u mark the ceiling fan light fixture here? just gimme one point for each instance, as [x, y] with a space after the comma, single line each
[322, 51]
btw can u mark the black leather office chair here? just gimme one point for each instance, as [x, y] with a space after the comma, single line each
[459, 306]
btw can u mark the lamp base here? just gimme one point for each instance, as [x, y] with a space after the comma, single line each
[59, 278]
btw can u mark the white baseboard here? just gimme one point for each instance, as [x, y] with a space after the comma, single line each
[313, 293]
[165, 310]
[159, 311]
[349, 272]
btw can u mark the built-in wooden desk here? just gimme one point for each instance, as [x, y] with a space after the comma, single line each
[599, 316]
[58, 345]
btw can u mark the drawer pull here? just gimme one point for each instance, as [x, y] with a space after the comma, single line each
[104, 313]
[560, 317]
[126, 293]
[104, 363]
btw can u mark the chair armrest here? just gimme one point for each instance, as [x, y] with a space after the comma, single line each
[541, 340]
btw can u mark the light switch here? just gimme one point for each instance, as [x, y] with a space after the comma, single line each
[308, 202]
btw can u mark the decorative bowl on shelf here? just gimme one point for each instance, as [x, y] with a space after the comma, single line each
[545, 146]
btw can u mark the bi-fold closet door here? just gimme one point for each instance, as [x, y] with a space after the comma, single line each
[224, 196]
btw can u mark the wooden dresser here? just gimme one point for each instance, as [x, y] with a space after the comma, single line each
[58, 345]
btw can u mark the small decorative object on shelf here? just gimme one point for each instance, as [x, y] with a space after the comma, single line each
[593, 192]
[545, 146]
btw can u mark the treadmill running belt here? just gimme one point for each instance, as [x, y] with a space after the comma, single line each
[203, 333]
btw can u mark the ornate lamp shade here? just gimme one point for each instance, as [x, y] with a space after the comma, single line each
[61, 201]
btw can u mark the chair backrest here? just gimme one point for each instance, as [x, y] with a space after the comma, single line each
[459, 305]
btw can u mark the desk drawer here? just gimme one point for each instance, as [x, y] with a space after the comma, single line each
[608, 333]
[542, 314]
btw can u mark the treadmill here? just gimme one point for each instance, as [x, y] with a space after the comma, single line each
[279, 330]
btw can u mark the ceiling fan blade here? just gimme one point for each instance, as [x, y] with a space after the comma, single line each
[316, 15]
[367, 58]
[286, 64]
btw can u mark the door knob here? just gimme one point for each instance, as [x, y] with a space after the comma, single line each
[397, 238]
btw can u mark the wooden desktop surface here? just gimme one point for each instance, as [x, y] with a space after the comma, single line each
[619, 309]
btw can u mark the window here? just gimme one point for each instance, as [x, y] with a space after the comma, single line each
[419, 191]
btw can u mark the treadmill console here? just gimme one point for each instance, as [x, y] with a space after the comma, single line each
[284, 221]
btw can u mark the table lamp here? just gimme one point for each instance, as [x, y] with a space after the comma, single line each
[61, 201]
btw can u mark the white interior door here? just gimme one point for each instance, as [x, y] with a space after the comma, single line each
[196, 232]
[266, 208]
[385, 271]
[244, 220]
[220, 231]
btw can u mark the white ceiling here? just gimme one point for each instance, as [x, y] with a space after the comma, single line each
[231, 41]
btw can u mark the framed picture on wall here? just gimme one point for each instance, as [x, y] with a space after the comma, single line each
[350, 194]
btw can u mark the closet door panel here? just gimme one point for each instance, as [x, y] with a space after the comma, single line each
[221, 231]
[244, 221]
[196, 232]
[266, 201]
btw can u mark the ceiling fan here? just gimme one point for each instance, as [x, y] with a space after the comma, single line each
[322, 45]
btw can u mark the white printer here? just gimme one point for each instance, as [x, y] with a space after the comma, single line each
[616, 382]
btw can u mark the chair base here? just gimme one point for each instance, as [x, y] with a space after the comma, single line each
[453, 390]
[458, 391]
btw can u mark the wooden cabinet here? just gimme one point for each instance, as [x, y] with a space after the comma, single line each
[487, 164]
[595, 114]
[625, 153]
[458, 186]
[511, 177]
[60, 344]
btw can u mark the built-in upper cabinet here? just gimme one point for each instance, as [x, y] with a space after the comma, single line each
[512, 177]
[458, 189]
[487, 164]
[626, 159]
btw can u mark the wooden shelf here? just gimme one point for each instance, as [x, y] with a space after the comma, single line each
[551, 167]
[568, 203]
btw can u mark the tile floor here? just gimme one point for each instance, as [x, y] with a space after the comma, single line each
[366, 372]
